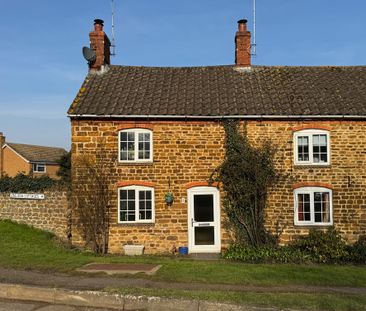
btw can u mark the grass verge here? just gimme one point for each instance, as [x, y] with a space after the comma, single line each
[299, 301]
[24, 247]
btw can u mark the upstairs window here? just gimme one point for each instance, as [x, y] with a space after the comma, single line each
[136, 204]
[313, 206]
[312, 147]
[39, 168]
[135, 145]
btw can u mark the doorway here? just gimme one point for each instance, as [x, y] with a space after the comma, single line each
[204, 220]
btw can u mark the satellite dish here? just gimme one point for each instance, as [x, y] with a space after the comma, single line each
[89, 55]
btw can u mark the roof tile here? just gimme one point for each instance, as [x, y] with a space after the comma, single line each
[223, 91]
[38, 153]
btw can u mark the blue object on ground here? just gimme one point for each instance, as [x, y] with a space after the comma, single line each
[183, 250]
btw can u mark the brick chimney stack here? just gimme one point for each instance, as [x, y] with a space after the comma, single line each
[242, 45]
[2, 143]
[100, 43]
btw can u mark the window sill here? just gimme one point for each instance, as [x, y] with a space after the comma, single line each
[136, 163]
[136, 224]
[309, 226]
[312, 166]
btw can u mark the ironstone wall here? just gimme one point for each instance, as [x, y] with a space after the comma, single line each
[187, 152]
[50, 214]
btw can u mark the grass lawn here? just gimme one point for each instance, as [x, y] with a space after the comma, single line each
[27, 248]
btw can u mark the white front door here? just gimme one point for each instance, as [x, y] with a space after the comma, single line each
[204, 220]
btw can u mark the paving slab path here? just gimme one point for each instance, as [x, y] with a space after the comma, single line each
[100, 282]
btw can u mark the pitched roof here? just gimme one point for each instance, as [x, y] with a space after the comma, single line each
[223, 91]
[38, 153]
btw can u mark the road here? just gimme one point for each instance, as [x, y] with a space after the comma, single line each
[17, 305]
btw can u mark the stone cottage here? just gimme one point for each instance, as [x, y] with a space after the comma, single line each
[163, 132]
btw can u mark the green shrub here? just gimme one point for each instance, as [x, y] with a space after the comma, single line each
[64, 171]
[27, 183]
[322, 247]
[265, 254]
[316, 247]
[357, 251]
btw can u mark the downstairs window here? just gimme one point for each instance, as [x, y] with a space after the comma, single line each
[313, 206]
[136, 204]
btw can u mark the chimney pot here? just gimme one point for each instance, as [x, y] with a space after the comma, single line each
[98, 24]
[242, 25]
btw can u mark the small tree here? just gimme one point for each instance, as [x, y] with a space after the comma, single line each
[91, 197]
[64, 172]
[246, 175]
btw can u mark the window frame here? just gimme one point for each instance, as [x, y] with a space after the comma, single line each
[137, 208]
[136, 131]
[311, 191]
[37, 171]
[310, 133]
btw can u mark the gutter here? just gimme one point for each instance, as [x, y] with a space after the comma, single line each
[219, 117]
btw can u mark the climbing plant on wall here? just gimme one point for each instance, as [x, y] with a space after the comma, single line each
[91, 196]
[246, 175]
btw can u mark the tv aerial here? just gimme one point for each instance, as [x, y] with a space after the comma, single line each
[113, 44]
[89, 55]
[254, 44]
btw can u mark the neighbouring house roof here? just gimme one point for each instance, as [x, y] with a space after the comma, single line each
[41, 154]
[223, 91]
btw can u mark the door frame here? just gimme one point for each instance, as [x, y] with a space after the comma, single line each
[216, 248]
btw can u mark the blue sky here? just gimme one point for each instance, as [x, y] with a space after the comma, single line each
[42, 66]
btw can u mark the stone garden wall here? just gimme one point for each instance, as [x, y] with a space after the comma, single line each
[49, 214]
